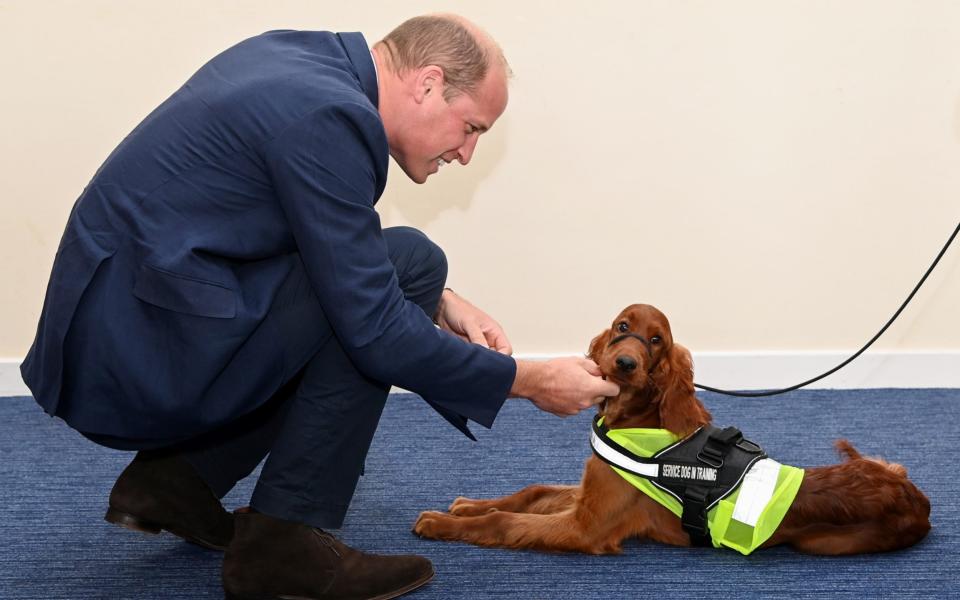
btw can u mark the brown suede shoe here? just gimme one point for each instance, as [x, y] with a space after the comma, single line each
[273, 559]
[165, 493]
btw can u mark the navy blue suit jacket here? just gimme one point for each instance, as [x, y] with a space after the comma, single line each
[273, 149]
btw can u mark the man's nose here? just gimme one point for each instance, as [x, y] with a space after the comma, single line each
[626, 364]
[465, 153]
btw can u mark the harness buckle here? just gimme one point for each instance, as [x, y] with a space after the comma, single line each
[710, 456]
[727, 437]
[718, 444]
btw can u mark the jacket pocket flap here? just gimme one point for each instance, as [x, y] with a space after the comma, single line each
[184, 294]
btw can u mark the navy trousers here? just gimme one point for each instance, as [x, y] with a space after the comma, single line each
[315, 431]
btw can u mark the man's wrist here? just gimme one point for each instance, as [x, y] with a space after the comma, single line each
[528, 380]
[440, 305]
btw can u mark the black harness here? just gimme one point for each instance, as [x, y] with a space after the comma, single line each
[699, 470]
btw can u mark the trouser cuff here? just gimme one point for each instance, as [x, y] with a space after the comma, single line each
[282, 504]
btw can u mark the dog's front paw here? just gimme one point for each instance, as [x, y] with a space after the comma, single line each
[467, 507]
[433, 525]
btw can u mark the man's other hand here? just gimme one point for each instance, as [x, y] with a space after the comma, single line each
[456, 315]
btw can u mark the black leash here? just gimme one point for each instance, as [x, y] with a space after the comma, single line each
[859, 352]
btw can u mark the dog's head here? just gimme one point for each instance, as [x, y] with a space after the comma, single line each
[655, 374]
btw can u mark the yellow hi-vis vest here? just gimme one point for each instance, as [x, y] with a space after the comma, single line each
[743, 518]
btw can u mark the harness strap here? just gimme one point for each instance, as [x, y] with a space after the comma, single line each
[694, 518]
[614, 454]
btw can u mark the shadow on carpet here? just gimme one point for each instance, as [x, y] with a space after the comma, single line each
[54, 485]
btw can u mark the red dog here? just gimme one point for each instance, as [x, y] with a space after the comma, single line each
[861, 505]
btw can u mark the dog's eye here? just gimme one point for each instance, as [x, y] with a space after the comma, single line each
[655, 339]
[622, 327]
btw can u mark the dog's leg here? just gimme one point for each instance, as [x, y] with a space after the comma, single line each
[539, 499]
[605, 510]
[859, 538]
[561, 532]
[894, 531]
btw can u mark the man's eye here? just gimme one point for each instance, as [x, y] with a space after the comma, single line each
[622, 327]
[655, 339]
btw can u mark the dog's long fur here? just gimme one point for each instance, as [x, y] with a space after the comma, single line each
[860, 505]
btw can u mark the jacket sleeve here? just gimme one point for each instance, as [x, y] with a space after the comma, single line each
[325, 169]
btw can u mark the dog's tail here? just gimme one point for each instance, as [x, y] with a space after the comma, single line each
[847, 450]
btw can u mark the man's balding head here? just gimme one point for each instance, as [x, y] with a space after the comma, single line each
[465, 52]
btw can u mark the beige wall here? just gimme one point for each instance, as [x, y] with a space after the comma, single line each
[773, 175]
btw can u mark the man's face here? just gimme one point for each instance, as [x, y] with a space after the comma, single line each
[436, 132]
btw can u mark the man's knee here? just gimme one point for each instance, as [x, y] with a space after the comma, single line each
[421, 266]
[416, 258]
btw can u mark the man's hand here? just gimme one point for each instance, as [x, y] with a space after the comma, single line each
[466, 321]
[562, 386]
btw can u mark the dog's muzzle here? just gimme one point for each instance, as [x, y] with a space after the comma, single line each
[643, 340]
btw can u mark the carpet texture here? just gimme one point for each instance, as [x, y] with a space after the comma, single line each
[54, 486]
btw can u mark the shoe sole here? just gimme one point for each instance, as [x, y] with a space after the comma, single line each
[395, 593]
[135, 523]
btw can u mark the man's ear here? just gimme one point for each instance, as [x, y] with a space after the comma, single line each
[597, 345]
[429, 81]
[680, 411]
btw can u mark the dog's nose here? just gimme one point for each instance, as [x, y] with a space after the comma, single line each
[625, 363]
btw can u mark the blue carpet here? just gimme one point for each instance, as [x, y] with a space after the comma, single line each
[54, 485]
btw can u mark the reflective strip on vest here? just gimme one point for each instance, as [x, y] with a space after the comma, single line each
[743, 520]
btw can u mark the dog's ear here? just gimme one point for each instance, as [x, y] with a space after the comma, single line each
[680, 411]
[597, 345]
